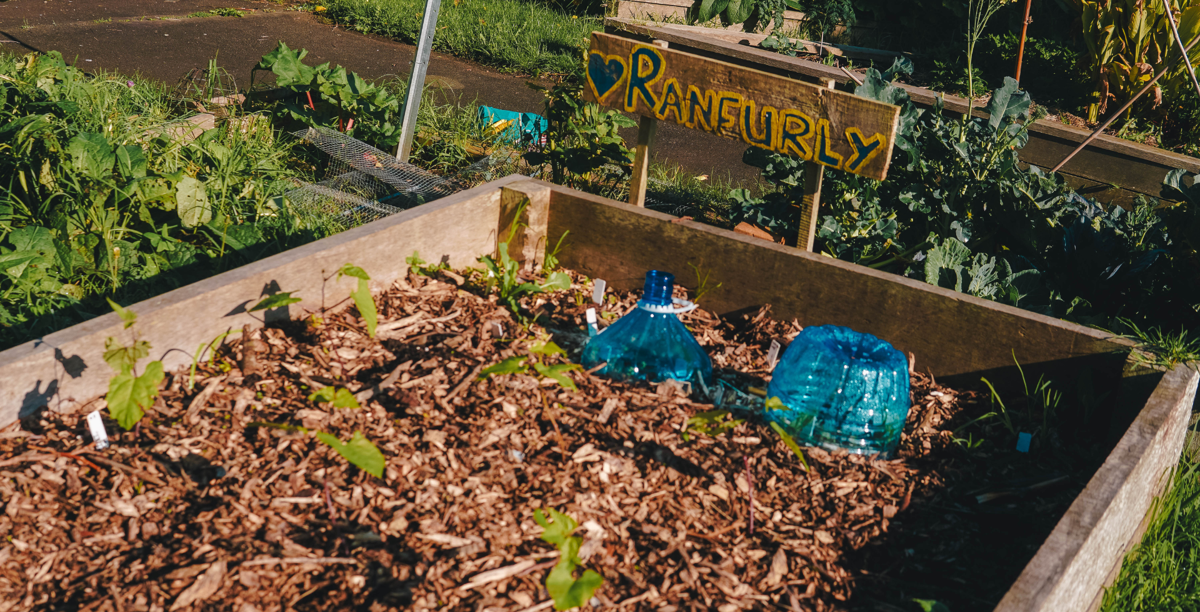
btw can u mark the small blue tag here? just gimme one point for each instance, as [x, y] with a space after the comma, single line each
[1023, 440]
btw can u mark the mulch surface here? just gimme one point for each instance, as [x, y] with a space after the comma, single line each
[198, 508]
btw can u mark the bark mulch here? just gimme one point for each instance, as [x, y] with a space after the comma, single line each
[197, 508]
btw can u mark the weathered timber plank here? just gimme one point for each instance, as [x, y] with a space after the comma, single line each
[950, 333]
[1071, 566]
[754, 39]
[65, 369]
[816, 124]
[1132, 167]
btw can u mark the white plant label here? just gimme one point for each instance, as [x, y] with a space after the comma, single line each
[773, 353]
[598, 287]
[1023, 440]
[96, 426]
[497, 330]
[592, 325]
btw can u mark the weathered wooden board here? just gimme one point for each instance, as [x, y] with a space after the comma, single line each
[65, 368]
[952, 334]
[1128, 169]
[818, 125]
[1071, 566]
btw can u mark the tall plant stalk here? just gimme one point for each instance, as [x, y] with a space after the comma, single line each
[979, 12]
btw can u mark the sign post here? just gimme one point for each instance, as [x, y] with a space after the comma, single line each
[647, 127]
[818, 124]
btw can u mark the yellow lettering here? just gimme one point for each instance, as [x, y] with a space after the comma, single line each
[672, 100]
[795, 128]
[825, 154]
[864, 148]
[645, 66]
[721, 120]
[697, 100]
[749, 134]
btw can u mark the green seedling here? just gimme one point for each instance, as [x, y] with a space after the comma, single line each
[212, 347]
[790, 443]
[538, 352]
[418, 266]
[362, 296]
[712, 423]
[565, 589]
[130, 395]
[358, 450]
[702, 287]
[504, 274]
[551, 261]
[338, 397]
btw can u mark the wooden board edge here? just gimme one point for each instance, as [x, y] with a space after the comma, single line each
[1072, 564]
[63, 370]
[563, 196]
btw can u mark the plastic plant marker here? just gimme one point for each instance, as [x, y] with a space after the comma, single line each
[649, 343]
[593, 328]
[839, 389]
[96, 427]
[1023, 441]
[598, 287]
[773, 353]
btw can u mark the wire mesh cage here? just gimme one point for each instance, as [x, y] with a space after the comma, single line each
[363, 183]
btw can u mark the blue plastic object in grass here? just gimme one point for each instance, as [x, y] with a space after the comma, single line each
[524, 127]
[650, 343]
[841, 389]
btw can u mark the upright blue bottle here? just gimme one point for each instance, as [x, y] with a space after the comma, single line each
[841, 389]
[650, 343]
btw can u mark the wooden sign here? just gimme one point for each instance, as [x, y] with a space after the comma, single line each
[819, 125]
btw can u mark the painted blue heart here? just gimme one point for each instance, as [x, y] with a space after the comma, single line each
[605, 76]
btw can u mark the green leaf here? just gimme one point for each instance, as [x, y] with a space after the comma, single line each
[566, 591]
[557, 281]
[790, 443]
[128, 316]
[546, 348]
[943, 264]
[92, 155]
[557, 528]
[278, 300]
[192, 202]
[712, 423]
[512, 365]
[558, 373]
[131, 162]
[1008, 102]
[739, 11]
[287, 66]
[362, 296]
[929, 605]
[358, 451]
[128, 396]
[122, 358]
[339, 397]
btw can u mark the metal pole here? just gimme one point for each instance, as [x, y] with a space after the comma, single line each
[1021, 47]
[1113, 117]
[412, 103]
[1179, 41]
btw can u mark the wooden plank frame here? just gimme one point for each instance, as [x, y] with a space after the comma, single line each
[816, 124]
[952, 335]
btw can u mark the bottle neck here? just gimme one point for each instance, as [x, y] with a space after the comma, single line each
[658, 289]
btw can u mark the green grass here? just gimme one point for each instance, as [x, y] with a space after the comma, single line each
[511, 35]
[1163, 572]
[219, 12]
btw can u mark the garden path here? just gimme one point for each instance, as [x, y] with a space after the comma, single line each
[156, 39]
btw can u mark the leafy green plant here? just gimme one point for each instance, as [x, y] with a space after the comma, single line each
[1127, 41]
[702, 286]
[539, 352]
[129, 394]
[505, 275]
[551, 260]
[583, 147]
[280, 299]
[332, 97]
[790, 443]
[1039, 406]
[565, 589]
[362, 296]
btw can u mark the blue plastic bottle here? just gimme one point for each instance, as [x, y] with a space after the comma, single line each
[649, 343]
[841, 390]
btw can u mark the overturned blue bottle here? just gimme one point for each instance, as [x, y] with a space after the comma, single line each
[841, 390]
[650, 343]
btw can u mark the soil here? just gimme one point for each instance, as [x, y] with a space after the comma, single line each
[200, 508]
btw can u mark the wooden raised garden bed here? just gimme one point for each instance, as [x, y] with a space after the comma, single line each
[253, 539]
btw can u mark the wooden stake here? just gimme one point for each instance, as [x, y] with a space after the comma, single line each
[641, 159]
[811, 200]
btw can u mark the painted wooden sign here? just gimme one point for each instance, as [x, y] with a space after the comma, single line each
[816, 124]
